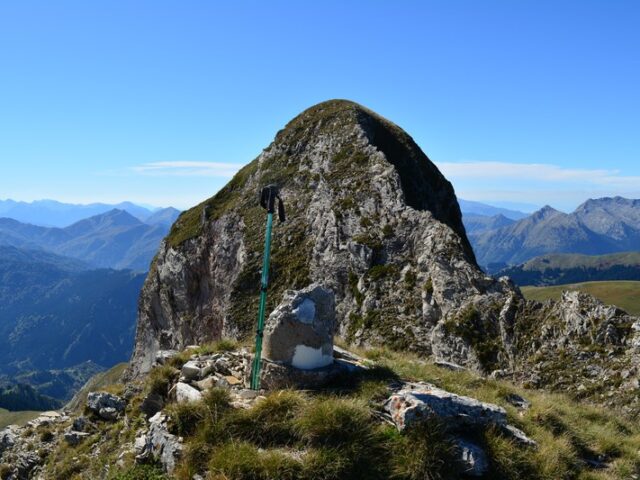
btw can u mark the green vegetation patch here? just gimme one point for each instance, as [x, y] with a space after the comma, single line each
[478, 331]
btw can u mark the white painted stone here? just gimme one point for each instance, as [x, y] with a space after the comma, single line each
[306, 311]
[308, 358]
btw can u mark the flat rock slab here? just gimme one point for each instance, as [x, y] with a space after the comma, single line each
[420, 401]
[416, 402]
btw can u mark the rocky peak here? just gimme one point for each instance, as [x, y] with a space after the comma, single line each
[370, 217]
[545, 212]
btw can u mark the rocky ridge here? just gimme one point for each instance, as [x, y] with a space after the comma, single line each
[149, 428]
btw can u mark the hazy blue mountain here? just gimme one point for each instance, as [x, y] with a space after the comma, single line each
[114, 239]
[474, 223]
[477, 208]
[50, 213]
[601, 226]
[61, 322]
[563, 268]
[164, 216]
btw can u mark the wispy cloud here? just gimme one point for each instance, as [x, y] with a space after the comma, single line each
[537, 171]
[188, 169]
[537, 183]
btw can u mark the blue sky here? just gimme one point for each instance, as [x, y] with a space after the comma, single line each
[160, 102]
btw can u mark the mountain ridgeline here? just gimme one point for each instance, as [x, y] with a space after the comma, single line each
[114, 239]
[50, 213]
[600, 226]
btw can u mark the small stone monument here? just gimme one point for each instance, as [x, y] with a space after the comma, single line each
[299, 332]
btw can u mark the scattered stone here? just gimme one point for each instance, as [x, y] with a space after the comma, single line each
[221, 382]
[73, 437]
[247, 393]
[51, 415]
[186, 393]
[423, 400]
[473, 459]
[80, 424]
[519, 436]
[498, 374]
[206, 384]
[449, 365]
[518, 401]
[107, 405]
[341, 353]
[233, 381]
[299, 332]
[191, 370]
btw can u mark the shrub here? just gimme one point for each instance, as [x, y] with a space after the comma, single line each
[222, 345]
[140, 472]
[160, 378]
[269, 422]
[333, 422]
[424, 453]
[185, 417]
[241, 460]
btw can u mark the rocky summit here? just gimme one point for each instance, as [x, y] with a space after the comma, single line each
[369, 217]
[372, 219]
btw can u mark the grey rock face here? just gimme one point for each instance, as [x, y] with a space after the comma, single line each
[106, 405]
[7, 438]
[370, 218]
[158, 444]
[299, 332]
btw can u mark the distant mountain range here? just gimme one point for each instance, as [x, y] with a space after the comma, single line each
[564, 268]
[65, 312]
[605, 225]
[114, 239]
[50, 213]
[468, 207]
[60, 321]
[474, 223]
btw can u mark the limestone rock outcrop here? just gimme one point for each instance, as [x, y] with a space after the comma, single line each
[370, 217]
[105, 404]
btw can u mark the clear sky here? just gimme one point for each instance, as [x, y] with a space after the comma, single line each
[159, 102]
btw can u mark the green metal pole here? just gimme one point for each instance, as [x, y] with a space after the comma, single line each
[255, 371]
